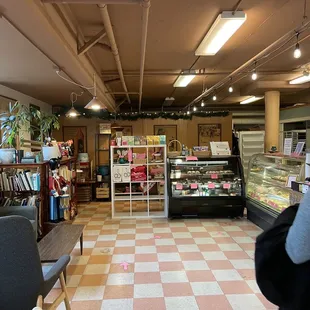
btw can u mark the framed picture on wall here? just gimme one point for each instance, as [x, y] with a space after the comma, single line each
[170, 131]
[79, 136]
[127, 131]
[209, 133]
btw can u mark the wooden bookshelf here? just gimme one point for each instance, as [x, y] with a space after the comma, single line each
[43, 193]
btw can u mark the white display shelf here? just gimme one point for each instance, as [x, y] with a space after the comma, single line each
[136, 197]
[137, 146]
[138, 205]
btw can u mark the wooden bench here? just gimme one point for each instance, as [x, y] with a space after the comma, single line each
[60, 241]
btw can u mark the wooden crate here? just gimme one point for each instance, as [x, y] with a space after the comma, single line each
[102, 192]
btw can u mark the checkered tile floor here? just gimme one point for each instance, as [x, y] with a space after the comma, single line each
[173, 265]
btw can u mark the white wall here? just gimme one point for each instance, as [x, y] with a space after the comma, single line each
[23, 99]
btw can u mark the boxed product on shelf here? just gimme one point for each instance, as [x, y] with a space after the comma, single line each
[162, 140]
[128, 140]
[125, 172]
[139, 140]
[116, 174]
[138, 173]
[139, 158]
[150, 140]
[156, 140]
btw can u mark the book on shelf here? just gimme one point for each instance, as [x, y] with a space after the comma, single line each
[18, 181]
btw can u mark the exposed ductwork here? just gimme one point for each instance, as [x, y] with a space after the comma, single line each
[109, 30]
[145, 20]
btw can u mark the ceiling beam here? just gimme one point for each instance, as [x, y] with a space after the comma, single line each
[122, 93]
[89, 44]
[94, 1]
[177, 73]
[109, 29]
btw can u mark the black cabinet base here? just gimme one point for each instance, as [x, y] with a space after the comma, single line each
[259, 216]
[208, 207]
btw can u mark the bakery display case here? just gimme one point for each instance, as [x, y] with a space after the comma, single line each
[208, 186]
[268, 189]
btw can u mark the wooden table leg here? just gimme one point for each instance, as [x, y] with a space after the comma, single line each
[81, 244]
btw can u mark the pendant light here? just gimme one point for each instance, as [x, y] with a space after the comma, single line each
[297, 51]
[95, 103]
[254, 74]
[73, 112]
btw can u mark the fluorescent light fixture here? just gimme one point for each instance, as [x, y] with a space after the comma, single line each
[301, 80]
[226, 24]
[184, 79]
[251, 99]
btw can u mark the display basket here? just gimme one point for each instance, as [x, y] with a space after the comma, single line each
[174, 153]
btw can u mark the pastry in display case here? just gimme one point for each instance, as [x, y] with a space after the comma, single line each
[207, 186]
[268, 187]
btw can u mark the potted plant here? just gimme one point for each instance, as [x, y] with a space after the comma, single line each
[46, 124]
[13, 124]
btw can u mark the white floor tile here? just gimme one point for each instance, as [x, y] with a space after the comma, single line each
[196, 229]
[243, 263]
[195, 265]
[120, 258]
[176, 224]
[188, 248]
[206, 288]
[204, 241]
[245, 302]
[73, 281]
[181, 303]
[88, 293]
[147, 267]
[230, 247]
[120, 279]
[106, 237]
[232, 228]
[124, 243]
[91, 232]
[216, 255]
[168, 257]
[173, 276]
[145, 249]
[164, 242]
[126, 231]
[253, 233]
[227, 275]
[243, 240]
[144, 236]
[148, 290]
[253, 285]
[183, 235]
[117, 304]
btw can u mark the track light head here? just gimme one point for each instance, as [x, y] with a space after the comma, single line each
[254, 75]
[297, 51]
[230, 89]
[194, 109]
[202, 103]
[214, 98]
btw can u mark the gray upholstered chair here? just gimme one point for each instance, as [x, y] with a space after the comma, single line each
[21, 276]
[29, 212]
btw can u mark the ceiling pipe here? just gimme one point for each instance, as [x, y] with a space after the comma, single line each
[145, 21]
[109, 30]
[268, 49]
[94, 1]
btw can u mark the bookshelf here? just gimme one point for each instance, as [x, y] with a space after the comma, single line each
[41, 193]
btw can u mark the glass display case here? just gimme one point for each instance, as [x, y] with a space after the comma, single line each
[268, 187]
[208, 186]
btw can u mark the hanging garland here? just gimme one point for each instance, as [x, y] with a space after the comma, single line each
[133, 116]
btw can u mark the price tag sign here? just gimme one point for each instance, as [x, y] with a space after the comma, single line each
[179, 186]
[211, 185]
[194, 186]
[162, 182]
[191, 158]
[226, 186]
[214, 176]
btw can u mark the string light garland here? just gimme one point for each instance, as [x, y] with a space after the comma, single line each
[134, 116]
